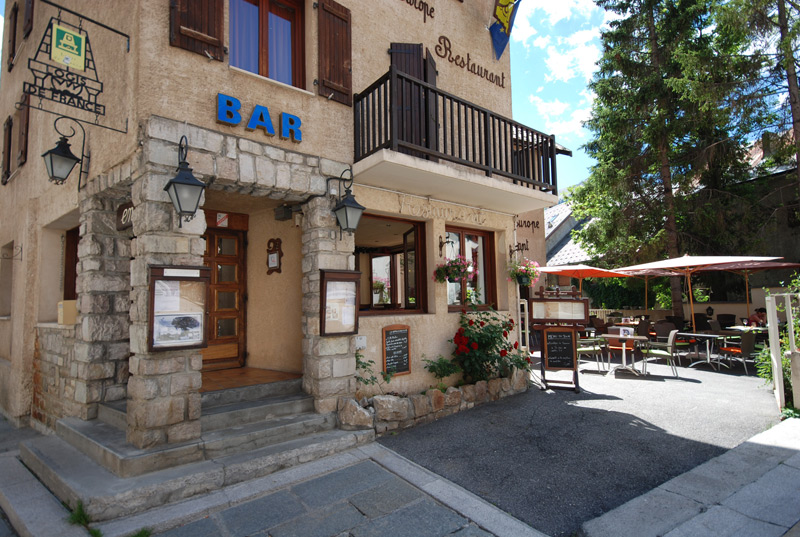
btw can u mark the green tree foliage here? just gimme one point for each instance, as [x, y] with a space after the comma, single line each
[664, 127]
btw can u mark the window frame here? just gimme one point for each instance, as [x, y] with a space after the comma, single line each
[8, 128]
[13, 20]
[420, 271]
[265, 7]
[489, 270]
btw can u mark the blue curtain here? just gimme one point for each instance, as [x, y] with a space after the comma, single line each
[280, 49]
[244, 35]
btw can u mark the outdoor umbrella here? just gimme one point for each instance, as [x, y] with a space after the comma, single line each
[689, 264]
[582, 271]
[746, 268]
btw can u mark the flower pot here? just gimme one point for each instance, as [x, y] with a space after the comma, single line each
[523, 279]
[452, 279]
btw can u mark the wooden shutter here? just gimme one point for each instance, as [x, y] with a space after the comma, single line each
[12, 35]
[24, 117]
[27, 24]
[335, 58]
[407, 57]
[196, 25]
[7, 126]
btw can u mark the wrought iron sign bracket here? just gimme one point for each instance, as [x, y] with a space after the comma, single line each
[17, 254]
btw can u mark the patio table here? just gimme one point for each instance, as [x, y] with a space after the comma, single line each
[635, 339]
[708, 338]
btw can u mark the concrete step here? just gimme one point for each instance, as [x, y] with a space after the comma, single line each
[114, 414]
[251, 393]
[244, 438]
[73, 476]
[243, 412]
[107, 445]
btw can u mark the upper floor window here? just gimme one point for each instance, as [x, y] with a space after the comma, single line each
[477, 247]
[266, 38]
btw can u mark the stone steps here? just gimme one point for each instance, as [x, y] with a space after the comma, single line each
[72, 476]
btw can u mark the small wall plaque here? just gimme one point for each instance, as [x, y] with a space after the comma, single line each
[274, 255]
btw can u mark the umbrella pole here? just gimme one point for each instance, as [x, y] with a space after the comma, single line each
[747, 291]
[691, 298]
[645, 292]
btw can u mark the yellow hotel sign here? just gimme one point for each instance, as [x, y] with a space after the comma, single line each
[68, 47]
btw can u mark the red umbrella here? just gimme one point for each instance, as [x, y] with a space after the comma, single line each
[582, 271]
[689, 264]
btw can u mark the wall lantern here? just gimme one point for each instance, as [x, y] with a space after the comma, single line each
[348, 211]
[60, 160]
[184, 190]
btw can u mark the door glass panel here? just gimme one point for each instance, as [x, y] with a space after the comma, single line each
[381, 280]
[226, 327]
[226, 273]
[453, 250]
[226, 246]
[476, 286]
[226, 300]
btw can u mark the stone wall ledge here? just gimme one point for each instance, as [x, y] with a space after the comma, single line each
[385, 413]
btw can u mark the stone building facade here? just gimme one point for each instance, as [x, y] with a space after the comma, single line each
[361, 90]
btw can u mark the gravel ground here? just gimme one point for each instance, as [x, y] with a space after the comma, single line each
[556, 459]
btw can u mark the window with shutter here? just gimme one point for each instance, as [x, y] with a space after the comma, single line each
[267, 38]
[24, 116]
[12, 35]
[27, 24]
[196, 25]
[335, 59]
[7, 127]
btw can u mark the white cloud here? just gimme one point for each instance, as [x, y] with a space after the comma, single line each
[558, 10]
[570, 128]
[566, 64]
[542, 41]
[547, 109]
[539, 89]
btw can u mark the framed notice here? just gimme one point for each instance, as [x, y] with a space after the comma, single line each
[544, 310]
[178, 297]
[339, 299]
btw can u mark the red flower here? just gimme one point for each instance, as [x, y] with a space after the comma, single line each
[505, 334]
[463, 312]
[482, 323]
[503, 352]
[471, 322]
[511, 321]
[528, 359]
[462, 349]
[475, 345]
[516, 344]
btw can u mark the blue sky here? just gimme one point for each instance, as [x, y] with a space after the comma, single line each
[554, 45]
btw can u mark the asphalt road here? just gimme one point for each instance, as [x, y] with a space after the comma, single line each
[556, 459]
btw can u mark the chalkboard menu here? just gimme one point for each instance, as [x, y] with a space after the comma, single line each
[559, 348]
[395, 349]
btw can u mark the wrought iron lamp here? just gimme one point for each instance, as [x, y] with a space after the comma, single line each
[184, 190]
[348, 211]
[60, 160]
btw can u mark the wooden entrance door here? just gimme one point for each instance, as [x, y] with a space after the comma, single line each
[226, 256]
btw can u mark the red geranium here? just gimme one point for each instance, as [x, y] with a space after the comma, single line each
[516, 344]
[475, 345]
[503, 353]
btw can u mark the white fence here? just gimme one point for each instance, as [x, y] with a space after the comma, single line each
[789, 300]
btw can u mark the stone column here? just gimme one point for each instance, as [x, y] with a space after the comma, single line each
[100, 368]
[328, 363]
[164, 387]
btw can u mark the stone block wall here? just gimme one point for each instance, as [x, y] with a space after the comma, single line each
[386, 413]
[55, 375]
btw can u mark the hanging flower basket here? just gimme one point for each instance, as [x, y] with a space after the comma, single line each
[526, 272]
[455, 270]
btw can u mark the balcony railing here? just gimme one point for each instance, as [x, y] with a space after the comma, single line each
[401, 113]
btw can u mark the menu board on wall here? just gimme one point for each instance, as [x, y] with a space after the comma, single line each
[178, 307]
[339, 299]
[395, 349]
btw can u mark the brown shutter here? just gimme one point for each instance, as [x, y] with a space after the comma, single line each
[335, 60]
[7, 127]
[27, 25]
[407, 57]
[24, 116]
[12, 35]
[196, 25]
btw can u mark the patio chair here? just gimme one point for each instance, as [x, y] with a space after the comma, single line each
[701, 322]
[659, 350]
[745, 353]
[714, 324]
[592, 348]
[643, 329]
[679, 323]
[726, 320]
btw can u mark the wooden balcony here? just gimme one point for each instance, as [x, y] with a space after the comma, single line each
[400, 119]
